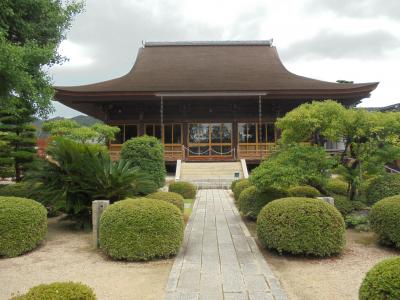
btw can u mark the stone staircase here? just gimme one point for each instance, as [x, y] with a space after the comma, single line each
[210, 175]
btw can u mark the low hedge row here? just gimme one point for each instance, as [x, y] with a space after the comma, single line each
[337, 186]
[186, 189]
[59, 291]
[382, 187]
[170, 197]
[252, 201]
[23, 225]
[141, 229]
[303, 191]
[240, 186]
[301, 226]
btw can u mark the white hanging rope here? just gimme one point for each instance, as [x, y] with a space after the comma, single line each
[208, 150]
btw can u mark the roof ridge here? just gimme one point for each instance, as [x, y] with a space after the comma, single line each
[209, 43]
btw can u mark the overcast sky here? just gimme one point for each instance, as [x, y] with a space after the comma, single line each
[355, 40]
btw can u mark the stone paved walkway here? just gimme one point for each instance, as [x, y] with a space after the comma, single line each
[219, 259]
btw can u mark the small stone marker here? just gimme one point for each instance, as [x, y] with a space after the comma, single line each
[98, 207]
[329, 200]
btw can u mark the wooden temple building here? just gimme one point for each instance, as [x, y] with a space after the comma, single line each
[213, 101]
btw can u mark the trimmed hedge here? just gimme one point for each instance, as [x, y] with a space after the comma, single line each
[170, 197]
[337, 186]
[382, 282]
[141, 229]
[233, 184]
[23, 225]
[303, 191]
[22, 190]
[59, 291]
[301, 226]
[343, 204]
[252, 201]
[385, 220]
[147, 153]
[382, 187]
[186, 189]
[240, 186]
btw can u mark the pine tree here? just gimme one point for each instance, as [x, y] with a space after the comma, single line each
[19, 135]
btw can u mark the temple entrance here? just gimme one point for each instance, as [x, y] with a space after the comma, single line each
[210, 140]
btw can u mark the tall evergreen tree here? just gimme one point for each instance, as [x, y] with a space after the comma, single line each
[6, 161]
[19, 136]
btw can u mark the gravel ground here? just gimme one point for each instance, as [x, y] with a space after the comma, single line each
[66, 255]
[331, 278]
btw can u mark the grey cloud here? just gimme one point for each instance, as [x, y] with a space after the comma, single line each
[112, 31]
[329, 44]
[358, 9]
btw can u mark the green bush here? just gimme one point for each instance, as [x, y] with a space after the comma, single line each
[358, 222]
[337, 186]
[385, 220]
[343, 204]
[59, 291]
[171, 197]
[234, 183]
[303, 191]
[301, 226]
[382, 282]
[358, 205]
[21, 189]
[240, 186]
[23, 225]
[382, 187]
[252, 201]
[141, 229]
[147, 153]
[186, 189]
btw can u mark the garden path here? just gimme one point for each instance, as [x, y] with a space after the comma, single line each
[219, 259]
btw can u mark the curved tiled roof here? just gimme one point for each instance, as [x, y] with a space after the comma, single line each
[213, 67]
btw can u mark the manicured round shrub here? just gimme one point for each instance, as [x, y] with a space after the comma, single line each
[141, 229]
[382, 282]
[234, 183]
[301, 226]
[240, 186]
[147, 153]
[186, 189]
[171, 197]
[382, 187]
[59, 291]
[23, 225]
[337, 186]
[385, 220]
[252, 201]
[303, 191]
[343, 204]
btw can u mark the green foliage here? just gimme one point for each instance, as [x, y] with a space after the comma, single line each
[59, 291]
[382, 187]
[385, 220]
[98, 133]
[233, 184]
[303, 191]
[337, 186]
[358, 222]
[141, 229]
[371, 138]
[382, 282]
[358, 205]
[315, 121]
[170, 197]
[148, 154]
[20, 138]
[343, 204]
[23, 225]
[301, 226]
[252, 201]
[30, 33]
[186, 189]
[293, 165]
[240, 186]
[82, 173]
